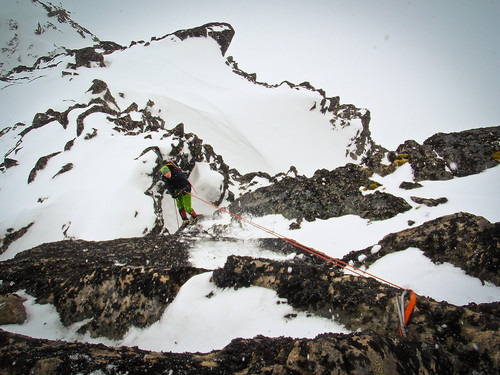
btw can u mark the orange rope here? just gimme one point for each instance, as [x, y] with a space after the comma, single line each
[310, 250]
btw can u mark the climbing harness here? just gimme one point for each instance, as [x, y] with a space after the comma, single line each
[403, 315]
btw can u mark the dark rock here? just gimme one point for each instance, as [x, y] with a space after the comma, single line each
[327, 194]
[12, 310]
[86, 56]
[222, 33]
[357, 354]
[467, 152]
[464, 240]
[426, 164]
[117, 283]
[443, 156]
[40, 164]
[442, 338]
[409, 185]
[9, 163]
[66, 168]
[98, 87]
[364, 304]
[12, 236]
[429, 202]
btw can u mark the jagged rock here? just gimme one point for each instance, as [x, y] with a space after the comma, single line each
[444, 156]
[465, 240]
[443, 338]
[8, 163]
[409, 185]
[222, 33]
[86, 56]
[426, 164]
[40, 164]
[327, 194]
[357, 354]
[98, 86]
[13, 235]
[364, 304]
[117, 283]
[429, 202]
[467, 152]
[12, 310]
[66, 168]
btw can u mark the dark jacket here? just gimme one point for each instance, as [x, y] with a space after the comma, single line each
[177, 182]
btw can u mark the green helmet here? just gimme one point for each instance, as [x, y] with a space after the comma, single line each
[164, 169]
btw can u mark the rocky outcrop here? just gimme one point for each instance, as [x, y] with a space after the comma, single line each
[325, 195]
[429, 202]
[443, 338]
[222, 33]
[445, 155]
[442, 156]
[365, 304]
[469, 242]
[467, 152]
[357, 354]
[116, 283]
[12, 310]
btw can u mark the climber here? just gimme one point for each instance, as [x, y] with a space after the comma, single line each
[179, 188]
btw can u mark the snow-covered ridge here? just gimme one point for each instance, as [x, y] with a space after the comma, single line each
[30, 30]
[179, 78]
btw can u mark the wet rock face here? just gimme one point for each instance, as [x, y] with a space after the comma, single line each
[325, 195]
[115, 283]
[465, 240]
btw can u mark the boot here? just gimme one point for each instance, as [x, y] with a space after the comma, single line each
[185, 220]
[194, 217]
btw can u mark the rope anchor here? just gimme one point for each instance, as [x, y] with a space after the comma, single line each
[404, 314]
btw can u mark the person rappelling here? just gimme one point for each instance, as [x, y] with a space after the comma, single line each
[178, 186]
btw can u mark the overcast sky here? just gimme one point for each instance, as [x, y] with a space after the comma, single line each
[419, 66]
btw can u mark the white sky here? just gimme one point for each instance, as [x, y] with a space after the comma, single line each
[424, 66]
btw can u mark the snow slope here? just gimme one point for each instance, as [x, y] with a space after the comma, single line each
[33, 29]
[189, 82]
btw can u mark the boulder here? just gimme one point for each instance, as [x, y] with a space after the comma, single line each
[467, 241]
[12, 309]
[325, 195]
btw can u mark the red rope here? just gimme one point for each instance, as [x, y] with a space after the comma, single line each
[310, 250]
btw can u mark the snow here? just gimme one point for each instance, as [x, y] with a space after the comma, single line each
[255, 129]
[412, 270]
[203, 317]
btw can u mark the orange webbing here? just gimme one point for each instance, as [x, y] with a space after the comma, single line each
[408, 310]
[411, 305]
